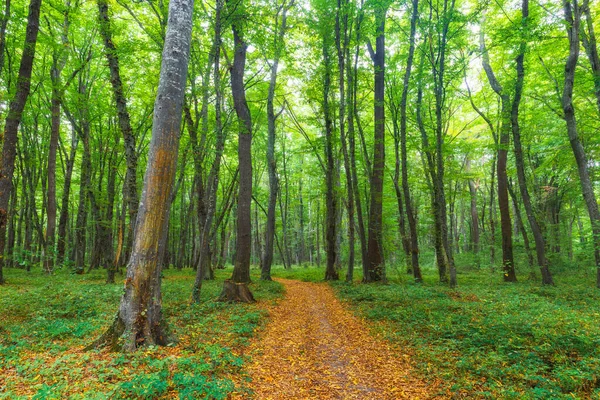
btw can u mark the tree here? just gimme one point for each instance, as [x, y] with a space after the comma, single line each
[281, 22]
[110, 51]
[15, 113]
[236, 288]
[376, 270]
[508, 263]
[572, 12]
[139, 321]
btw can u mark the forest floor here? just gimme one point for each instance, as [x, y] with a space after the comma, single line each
[313, 347]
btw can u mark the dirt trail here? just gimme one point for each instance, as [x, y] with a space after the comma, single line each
[314, 348]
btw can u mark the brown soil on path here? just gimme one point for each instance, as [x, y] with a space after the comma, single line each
[314, 348]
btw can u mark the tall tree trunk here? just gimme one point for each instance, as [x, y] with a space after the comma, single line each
[3, 24]
[352, 78]
[59, 59]
[341, 42]
[267, 257]
[410, 214]
[330, 196]
[589, 43]
[508, 264]
[236, 288]
[131, 158]
[13, 119]
[376, 270]
[207, 197]
[51, 168]
[139, 321]
[440, 96]
[573, 18]
[540, 244]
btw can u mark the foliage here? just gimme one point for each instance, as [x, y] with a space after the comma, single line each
[46, 321]
[492, 340]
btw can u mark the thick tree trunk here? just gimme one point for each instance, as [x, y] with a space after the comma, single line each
[376, 270]
[241, 270]
[13, 119]
[131, 158]
[573, 18]
[139, 321]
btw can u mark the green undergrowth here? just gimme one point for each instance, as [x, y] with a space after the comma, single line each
[488, 339]
[45, 321]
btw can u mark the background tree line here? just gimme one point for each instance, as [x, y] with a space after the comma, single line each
[392, 135]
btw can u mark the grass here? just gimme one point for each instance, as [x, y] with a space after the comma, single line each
[488, 339]
[45, 321]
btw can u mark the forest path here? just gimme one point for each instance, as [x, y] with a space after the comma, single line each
[314, 348]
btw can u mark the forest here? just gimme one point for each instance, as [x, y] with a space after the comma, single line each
[280, 199]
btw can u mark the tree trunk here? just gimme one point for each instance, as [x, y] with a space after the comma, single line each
[410, 214]
[13, 119]
[207, 197]
[474, 213]
[131, 158]
[139, 321]
[83, 129]
[540, 244]
[3, 24]
[330, 196]
[589, 43]
[241, 270]
[267, 257]
[341, 41]
[376, 270]
[573, 18]
[508, 264]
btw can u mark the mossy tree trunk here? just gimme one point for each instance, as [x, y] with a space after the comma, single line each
[139, 321]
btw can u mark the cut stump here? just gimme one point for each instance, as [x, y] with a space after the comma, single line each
[234, 292]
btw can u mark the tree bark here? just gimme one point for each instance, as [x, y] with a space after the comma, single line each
[131, 158]
[508, 264]
[139, 321]
[341, 42]
[540, 244]
[330, 196]
[267, 257]
[207, 197]
[241, 270]
[13, 119]
[573, 18]
[474, 213]
[410, 214]
[376, 270]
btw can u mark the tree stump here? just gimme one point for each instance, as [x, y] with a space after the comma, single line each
[234, 292]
